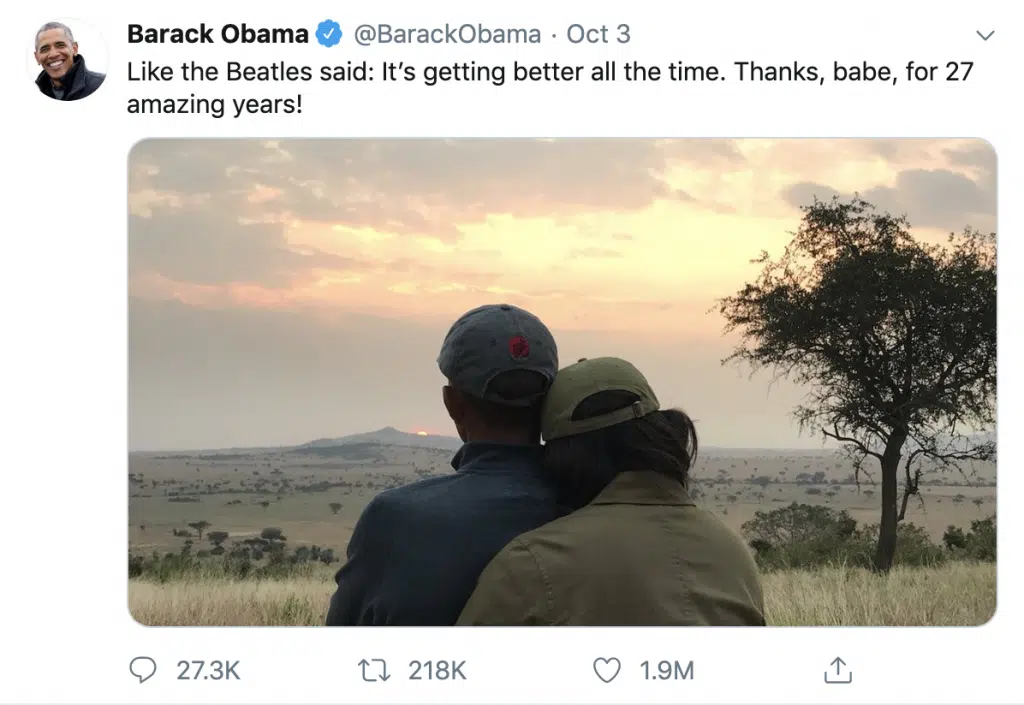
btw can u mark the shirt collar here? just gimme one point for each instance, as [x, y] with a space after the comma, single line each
[479, 455]
[644, 487]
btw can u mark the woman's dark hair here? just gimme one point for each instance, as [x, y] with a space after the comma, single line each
[583, 465]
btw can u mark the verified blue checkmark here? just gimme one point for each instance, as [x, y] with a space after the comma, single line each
[328, 33]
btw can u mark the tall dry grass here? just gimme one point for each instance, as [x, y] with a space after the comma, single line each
[957, 594]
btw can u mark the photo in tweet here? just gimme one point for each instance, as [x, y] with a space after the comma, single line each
[683, 382]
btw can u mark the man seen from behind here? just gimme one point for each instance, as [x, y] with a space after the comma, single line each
[417, 550]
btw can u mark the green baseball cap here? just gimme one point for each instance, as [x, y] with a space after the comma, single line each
[585, 378]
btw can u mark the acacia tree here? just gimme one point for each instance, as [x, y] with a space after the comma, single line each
[893, 339]
[200, 527]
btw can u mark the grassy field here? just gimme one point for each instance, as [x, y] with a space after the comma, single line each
[315, 496]
[242, 493]
[958, 594]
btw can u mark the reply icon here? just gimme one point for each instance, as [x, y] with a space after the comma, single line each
[143, 668]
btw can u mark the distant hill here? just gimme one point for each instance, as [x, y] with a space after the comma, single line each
[388, 436]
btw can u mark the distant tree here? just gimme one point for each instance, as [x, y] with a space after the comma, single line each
[272, 534]
[954, 538]
[981, 539]
[799, 523]
[264, 504]
[977, 502]
[217, 537]
[200, 527]
[335, 507]
[894, 340]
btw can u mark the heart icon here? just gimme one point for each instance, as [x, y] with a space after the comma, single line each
[607, 668]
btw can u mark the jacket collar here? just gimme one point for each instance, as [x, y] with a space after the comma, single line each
[479, 455]
[72, 82]
[644, 487]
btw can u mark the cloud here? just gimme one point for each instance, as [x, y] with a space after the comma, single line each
[980, 158]
[930, 198]
[976, 153]
[936, 198]
[806, 192]
[208, 247]
[219, 211]
[705, 152]
[281, 214]
[422, 187]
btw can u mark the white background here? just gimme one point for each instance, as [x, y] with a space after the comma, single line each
[67, 634]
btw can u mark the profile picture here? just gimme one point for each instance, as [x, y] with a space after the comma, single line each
[63, 72]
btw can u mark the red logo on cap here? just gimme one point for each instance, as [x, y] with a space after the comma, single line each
[518, 347]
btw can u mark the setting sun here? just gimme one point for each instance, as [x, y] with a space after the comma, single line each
[421, 433]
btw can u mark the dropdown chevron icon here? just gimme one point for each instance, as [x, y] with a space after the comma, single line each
[985, 36]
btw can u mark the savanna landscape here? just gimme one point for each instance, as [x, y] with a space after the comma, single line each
[825, 310]
[253, 536]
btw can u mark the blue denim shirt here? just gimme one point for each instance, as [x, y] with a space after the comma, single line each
[417, 550]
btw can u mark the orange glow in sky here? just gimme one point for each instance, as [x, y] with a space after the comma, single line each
[650, 257]
[272, 282]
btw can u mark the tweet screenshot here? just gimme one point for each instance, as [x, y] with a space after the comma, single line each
[607, 353]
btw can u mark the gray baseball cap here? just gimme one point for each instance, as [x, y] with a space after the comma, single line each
[491, 340]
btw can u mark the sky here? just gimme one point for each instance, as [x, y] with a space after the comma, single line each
[282, 291]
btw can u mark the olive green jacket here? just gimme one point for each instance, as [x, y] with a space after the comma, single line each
[641, 554]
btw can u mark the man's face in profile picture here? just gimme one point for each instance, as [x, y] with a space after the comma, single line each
[55, 53]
